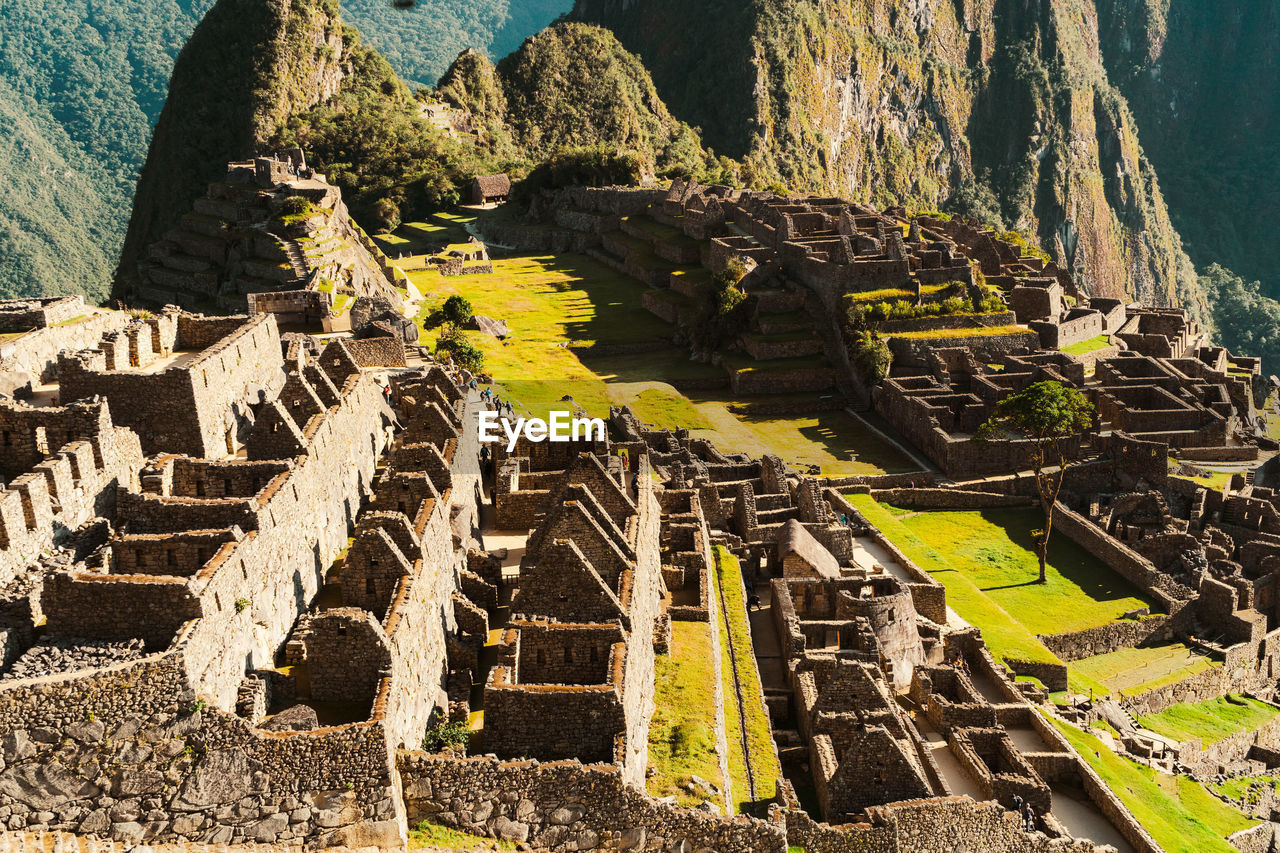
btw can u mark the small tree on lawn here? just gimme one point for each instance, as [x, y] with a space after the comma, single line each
[1046, 414]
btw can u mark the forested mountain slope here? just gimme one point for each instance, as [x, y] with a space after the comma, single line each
[997, 108]
[82, 83]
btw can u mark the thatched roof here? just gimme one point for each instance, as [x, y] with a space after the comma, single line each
[798, 542]
[493, 185]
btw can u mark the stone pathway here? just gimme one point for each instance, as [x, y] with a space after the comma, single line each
[1082, 819]
[764, 637]
[960, 782]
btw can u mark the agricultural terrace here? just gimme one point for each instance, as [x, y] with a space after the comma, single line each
[1212, 720]
[581, 336]
[1179, 813]
[682, 734]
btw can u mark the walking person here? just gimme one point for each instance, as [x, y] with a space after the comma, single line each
[1031, 818]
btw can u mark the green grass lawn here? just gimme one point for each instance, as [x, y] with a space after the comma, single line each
[1091, 345]
[759, 735]
[968, 332]
[1215, 481]
[552, 303]
[1178, 812]
[1210, 721]
[1129, 672]
[682, 734]
[888, 294]
[993, 548]
[1005, 636]
[444, 838]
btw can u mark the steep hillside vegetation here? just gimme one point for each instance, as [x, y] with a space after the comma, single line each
[420, 41]
[573, 85]
[372, 141]
[971, 105]
[1203, 80]
[248, 66]
[81, 84]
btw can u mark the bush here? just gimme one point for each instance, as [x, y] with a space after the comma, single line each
[733, 273]
[592, 166]
[453, 343]
[295, 205]
[446, 736]
[871, 357]
[385, 215]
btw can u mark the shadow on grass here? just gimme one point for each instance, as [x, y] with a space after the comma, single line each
[846, 439]
[1094, 577]
[1035, 582]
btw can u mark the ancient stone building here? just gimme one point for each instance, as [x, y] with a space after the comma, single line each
[274, 237]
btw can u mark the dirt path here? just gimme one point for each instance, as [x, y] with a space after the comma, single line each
[764, 637]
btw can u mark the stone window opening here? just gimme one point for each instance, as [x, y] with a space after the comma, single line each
[226, 486]
[170, 558]
[41, 441]
[568, 655]
[342, 630]
[199, 488]
[542, 658]
[8, 439]
[595, 655]
[370, 587]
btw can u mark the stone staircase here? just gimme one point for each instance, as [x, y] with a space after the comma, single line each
[296, 257]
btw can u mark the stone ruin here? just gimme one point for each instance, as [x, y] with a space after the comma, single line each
[273, 237]
[240, 583]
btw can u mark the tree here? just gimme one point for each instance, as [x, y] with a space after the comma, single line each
[457, 310]
[1046, 414]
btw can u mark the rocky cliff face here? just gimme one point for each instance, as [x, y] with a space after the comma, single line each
[1203, 80]
[997, 108]
[249, 65]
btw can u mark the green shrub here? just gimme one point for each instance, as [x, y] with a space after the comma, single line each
[453, 343]
[446, 736]
[871, 357]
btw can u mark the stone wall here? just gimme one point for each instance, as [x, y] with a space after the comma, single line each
[941, 825]
[34, 356]
[564, 806]
[131, 753]
[1126, 562]
[377, 352]
[198, 408]
[79, 481]
[1099, 640]
[249, 596]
